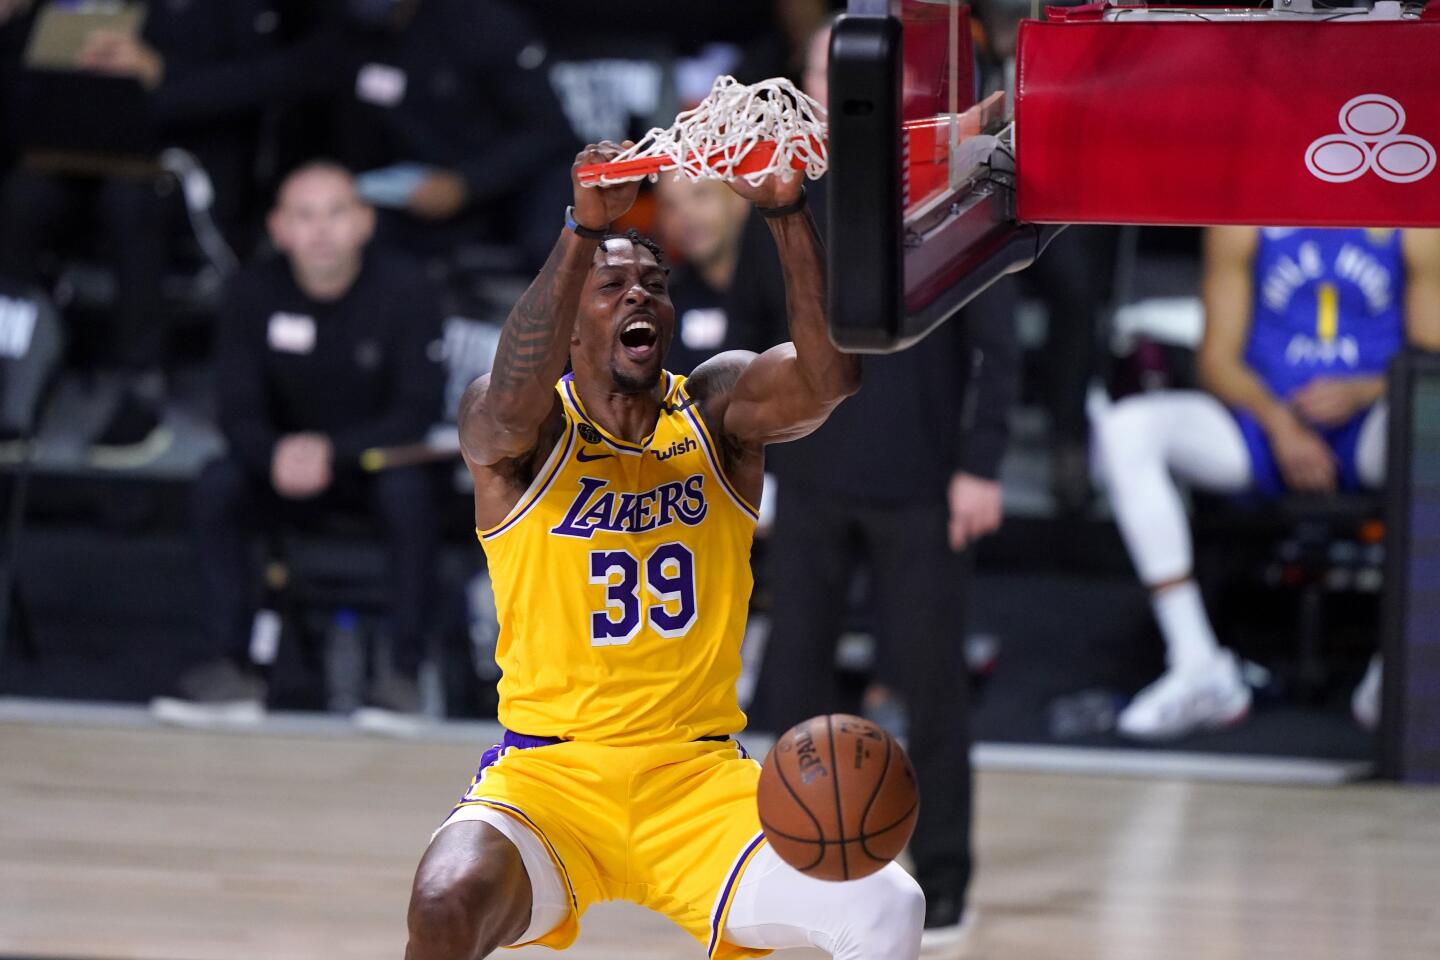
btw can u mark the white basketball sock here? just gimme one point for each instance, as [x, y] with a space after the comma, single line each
[1189, 639]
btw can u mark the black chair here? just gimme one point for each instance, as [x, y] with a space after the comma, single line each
[327, 582]
[200, 256]
[1313, 546]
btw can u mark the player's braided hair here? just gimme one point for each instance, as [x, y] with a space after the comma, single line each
[640, 240]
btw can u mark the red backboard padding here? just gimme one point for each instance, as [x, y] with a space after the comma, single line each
[1230, 122]
[928, 61]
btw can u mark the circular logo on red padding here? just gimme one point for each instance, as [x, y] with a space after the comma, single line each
[1370, 139]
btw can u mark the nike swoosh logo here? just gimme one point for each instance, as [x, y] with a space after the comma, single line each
[583, 458]
[677, 408]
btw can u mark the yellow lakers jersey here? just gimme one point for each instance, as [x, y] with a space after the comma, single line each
[622, 580]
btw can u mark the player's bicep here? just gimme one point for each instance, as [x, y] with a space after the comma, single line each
[485, 440]
[772, 401]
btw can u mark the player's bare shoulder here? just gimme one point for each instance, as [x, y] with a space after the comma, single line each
[712, 384]
[501, 469]
[484, 439]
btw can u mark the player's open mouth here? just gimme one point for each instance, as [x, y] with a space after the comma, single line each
[640, 336]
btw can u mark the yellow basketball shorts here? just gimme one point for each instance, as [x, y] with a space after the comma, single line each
[670, 827]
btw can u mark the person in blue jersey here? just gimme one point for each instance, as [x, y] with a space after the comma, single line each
[1300, 326]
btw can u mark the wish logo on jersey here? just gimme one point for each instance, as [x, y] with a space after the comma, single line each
[676, 449]
[597, 509]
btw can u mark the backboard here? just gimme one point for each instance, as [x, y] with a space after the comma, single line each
[921, 180]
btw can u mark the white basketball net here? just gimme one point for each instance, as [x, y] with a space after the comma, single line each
[709, 141]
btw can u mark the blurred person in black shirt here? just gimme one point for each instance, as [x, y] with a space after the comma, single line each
[325, 353]
[702, 220]
[1074, 281]
[186, 60]
[448, 109]
[13, 27]
[903, 479]
[782, 49]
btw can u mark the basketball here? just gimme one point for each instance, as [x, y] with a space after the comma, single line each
[837, 797]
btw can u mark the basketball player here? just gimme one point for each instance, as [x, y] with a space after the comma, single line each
[616, 509]
[1299, 328]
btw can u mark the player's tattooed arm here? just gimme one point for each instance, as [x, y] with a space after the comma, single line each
[501, 414]
[505, 415]
[789, 390]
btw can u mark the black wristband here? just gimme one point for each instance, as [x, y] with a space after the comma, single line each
[589, 233]
[772, 213]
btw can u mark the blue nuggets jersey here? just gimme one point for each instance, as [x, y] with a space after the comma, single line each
[1327, 303]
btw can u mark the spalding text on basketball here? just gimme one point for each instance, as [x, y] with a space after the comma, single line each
[808, 758]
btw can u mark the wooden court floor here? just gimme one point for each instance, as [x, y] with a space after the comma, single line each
[159, 845]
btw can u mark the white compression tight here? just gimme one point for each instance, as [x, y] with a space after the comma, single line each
[1144, 440]
[775, 906]
[876, 918]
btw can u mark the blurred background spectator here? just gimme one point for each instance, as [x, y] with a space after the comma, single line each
[324, 353]
[102, 92]
[1300, 328]
[1072, 282]
[898, 482]
[447, 112]
[14, 26]
[702, 221]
